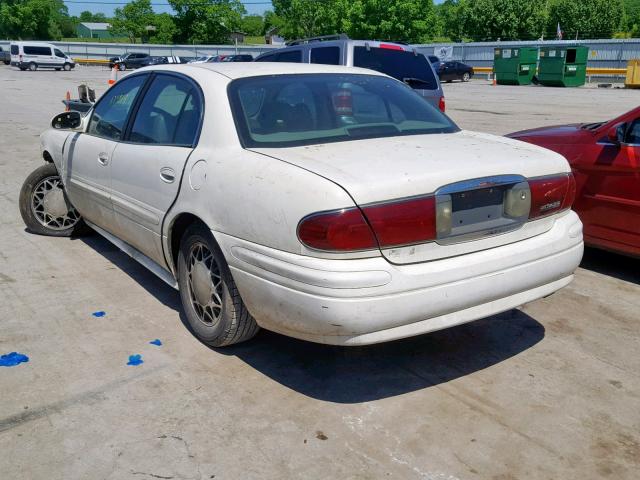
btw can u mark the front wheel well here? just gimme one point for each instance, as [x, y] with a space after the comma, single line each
[180, 225]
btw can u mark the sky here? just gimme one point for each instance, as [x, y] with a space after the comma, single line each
[95, 6]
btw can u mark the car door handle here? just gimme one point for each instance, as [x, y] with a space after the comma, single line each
[103, 158]
[167, 174]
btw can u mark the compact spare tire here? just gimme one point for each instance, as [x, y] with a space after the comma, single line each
[211, 302]
[44, 205]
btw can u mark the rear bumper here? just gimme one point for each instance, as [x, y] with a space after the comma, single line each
[353, 302]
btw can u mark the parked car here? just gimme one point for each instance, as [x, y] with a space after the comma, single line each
[130, 60]
[327, 203]
[34, 55]
[604, 157]
[5, 56]
[241, 57]
[450, 71]
[202, 59]
[399, 61]
[435, 62]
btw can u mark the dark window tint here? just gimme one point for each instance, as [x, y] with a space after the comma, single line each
[397, 64]
[294, 56]
[169, 113]
[30, 50]
[633, 134]
[110, 115]
[59, 53]
[433, 59]
[14, 49]
[267, 58]
[326, 55]
[292, 110]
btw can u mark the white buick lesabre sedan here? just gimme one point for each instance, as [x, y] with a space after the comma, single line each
[330, 204]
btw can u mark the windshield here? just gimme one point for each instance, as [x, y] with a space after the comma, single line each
[293, 110]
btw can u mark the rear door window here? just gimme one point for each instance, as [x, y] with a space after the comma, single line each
[169, 113]
[14, 49]
[293, 56]
[326, 55]
[31, 50]
[398, 64]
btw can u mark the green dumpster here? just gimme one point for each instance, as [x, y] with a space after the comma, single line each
[515, 66]
[564, 66]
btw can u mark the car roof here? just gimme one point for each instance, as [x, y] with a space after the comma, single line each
[252, 69]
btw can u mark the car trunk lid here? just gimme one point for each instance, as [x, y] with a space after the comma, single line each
[474, 170]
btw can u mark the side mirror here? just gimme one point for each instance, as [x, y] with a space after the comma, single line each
[616, 133]
[67, 121]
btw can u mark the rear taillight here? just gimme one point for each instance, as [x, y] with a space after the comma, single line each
[441, 105]
[387, 225]
[343, 102]
[339, 230]
[551, 194]
[403, 222]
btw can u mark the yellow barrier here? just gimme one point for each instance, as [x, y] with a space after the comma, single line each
[91, 61]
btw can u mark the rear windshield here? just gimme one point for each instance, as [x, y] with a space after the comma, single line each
[293, 110]
[398, 64]
[14, 49]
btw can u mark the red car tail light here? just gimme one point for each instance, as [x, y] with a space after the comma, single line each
[390, 46]
[441, 105]
[403, 222]
[390, 224]
[343, 102]
[338, 230]
[551, 194]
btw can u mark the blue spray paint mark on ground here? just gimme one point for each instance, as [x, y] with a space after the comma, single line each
[135, 360]
[99, 314]
[12, 359]
[156, 342]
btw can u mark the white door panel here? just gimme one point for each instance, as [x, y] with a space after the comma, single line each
[87, 177]
[144, 183]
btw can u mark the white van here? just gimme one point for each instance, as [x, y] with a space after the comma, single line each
[34, 55]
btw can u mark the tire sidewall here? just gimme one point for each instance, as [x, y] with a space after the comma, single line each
[66, 67]
[33, 66]
[214, 333]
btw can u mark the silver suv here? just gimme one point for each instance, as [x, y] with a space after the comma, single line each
[397, 60]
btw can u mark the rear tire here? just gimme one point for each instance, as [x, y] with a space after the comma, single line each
[44, 206]
[210, 300]
[7, 63]
[33, 66]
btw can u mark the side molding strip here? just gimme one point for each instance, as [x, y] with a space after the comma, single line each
[138, 256]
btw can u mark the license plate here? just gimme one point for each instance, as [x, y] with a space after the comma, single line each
[471, 199]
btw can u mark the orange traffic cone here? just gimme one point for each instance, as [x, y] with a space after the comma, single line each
[68, 97]
[495, 82]
[114, 76]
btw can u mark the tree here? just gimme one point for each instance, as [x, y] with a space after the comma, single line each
[586, 18]
[271, 20]
[504, 19]
[310, 18]
[252, 25]
[411, 21]
[165, 29]
[449, 14]
[32, 19]
[133, 19]
[206, 21]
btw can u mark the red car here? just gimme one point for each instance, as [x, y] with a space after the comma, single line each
[605, 159]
